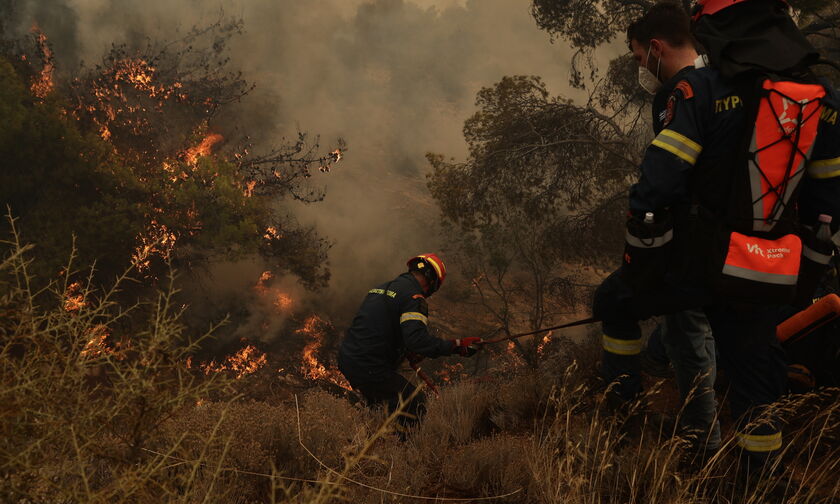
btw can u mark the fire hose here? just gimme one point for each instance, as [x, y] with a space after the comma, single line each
[590, 320]
[415, 359]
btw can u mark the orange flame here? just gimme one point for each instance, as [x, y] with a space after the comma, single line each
[157, 239]
[545, 341]
[451, 372]
[74, 298]
[98, 345]
[331, 159]
[249, 188]
[312, 368]
[512, 357]
[205, 148]
[283, 301]
[43, 85]
[261, 286]
[140, 74]
[271, 233]
[248, 360]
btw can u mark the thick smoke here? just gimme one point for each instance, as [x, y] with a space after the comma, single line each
[395, 78]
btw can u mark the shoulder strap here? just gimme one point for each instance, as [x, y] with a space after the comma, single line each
[781, 142]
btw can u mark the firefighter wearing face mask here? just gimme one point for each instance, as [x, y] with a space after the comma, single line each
[683, 189]
[685, 335]
[392, 325]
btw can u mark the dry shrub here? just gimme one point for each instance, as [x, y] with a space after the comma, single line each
[83, 419]
[460, 414]
[244, 438]
[330, 425]
[84, 401]
[495, 465]
[255, 437]
[583, 454]
[521, 401]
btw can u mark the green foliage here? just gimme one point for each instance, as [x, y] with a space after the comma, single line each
[63, 181]
[536, 194]
[587, 23]
[122, 159]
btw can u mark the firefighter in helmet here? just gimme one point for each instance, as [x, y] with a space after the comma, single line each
[392, 325]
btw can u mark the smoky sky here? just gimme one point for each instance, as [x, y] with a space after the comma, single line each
[395, 78]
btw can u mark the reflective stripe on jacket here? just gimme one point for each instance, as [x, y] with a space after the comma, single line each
[392, 320]
[700, 123]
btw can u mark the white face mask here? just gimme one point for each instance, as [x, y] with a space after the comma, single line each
[647, 79]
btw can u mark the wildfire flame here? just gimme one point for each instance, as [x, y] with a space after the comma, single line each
[141, 75]
[43, 84]
[283, 301]
[280, 300]
[331, 159]
[205, 148]
[265, 276]
[312, 368]
[99, 346]
[74, 298]
[451, 372]
[248, 360]
[545, 341]
[249, 188]
[157, 239]
[271, 233]
[512, 356]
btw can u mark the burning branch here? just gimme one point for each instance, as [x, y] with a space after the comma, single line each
[43, 84]
[99, 345]
[74, 298]
[156, 240]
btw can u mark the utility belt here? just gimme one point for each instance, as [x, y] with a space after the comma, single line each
[696, 248]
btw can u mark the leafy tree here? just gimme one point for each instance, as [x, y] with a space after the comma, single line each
[135, 163]
[538, 192]
[59, 178]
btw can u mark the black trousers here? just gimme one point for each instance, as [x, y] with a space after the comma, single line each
[745, 336]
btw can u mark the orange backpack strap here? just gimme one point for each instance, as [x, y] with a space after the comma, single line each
[781, 146]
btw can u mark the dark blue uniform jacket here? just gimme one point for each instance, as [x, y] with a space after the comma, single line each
[699, 123]
[392, 320]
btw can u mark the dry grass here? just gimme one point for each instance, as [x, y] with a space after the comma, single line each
[126, 421]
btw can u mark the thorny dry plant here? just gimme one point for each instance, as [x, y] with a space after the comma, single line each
[91, 412]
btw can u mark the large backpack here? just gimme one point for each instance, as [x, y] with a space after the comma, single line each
[765, 254]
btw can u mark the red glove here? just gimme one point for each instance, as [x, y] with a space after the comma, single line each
[466, 347]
